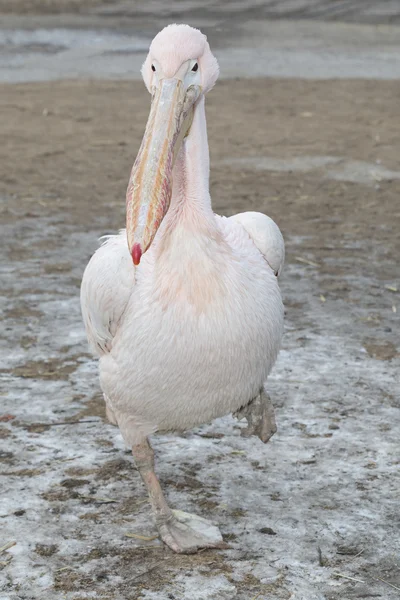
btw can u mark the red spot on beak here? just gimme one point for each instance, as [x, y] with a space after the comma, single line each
[136, 254]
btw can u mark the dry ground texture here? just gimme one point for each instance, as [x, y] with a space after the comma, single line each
[314, 514]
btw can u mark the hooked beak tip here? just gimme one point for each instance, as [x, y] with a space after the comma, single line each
[136, 254]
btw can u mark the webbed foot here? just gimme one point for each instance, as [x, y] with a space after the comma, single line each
[185, 533]
[260, 417]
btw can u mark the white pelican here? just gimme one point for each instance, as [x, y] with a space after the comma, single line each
[183, 307]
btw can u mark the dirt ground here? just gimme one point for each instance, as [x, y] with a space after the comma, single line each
[314, 514]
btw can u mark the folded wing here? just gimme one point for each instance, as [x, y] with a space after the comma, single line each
[266, 236]
[107, 284]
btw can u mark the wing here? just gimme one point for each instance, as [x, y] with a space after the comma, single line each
[107, 285]
[266, 236]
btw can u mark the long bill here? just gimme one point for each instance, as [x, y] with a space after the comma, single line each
[149, 190]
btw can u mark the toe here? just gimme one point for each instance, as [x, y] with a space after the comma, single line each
[168, 539]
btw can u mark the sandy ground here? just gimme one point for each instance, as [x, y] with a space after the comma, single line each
[313, 515]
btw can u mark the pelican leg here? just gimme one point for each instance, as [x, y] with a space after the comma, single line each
[260, 417]
[182, 532]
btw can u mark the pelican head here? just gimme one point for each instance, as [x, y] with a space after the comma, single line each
[178, 71]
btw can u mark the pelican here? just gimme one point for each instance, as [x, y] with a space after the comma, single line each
[182, 307]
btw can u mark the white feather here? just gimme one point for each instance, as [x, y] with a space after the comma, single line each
[184, 338]
[107, 284]
[266, 235]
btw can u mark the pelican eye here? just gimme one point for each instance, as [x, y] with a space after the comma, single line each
[153, 68]
[195, 67]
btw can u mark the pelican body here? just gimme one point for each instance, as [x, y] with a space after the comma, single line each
[183, 307]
